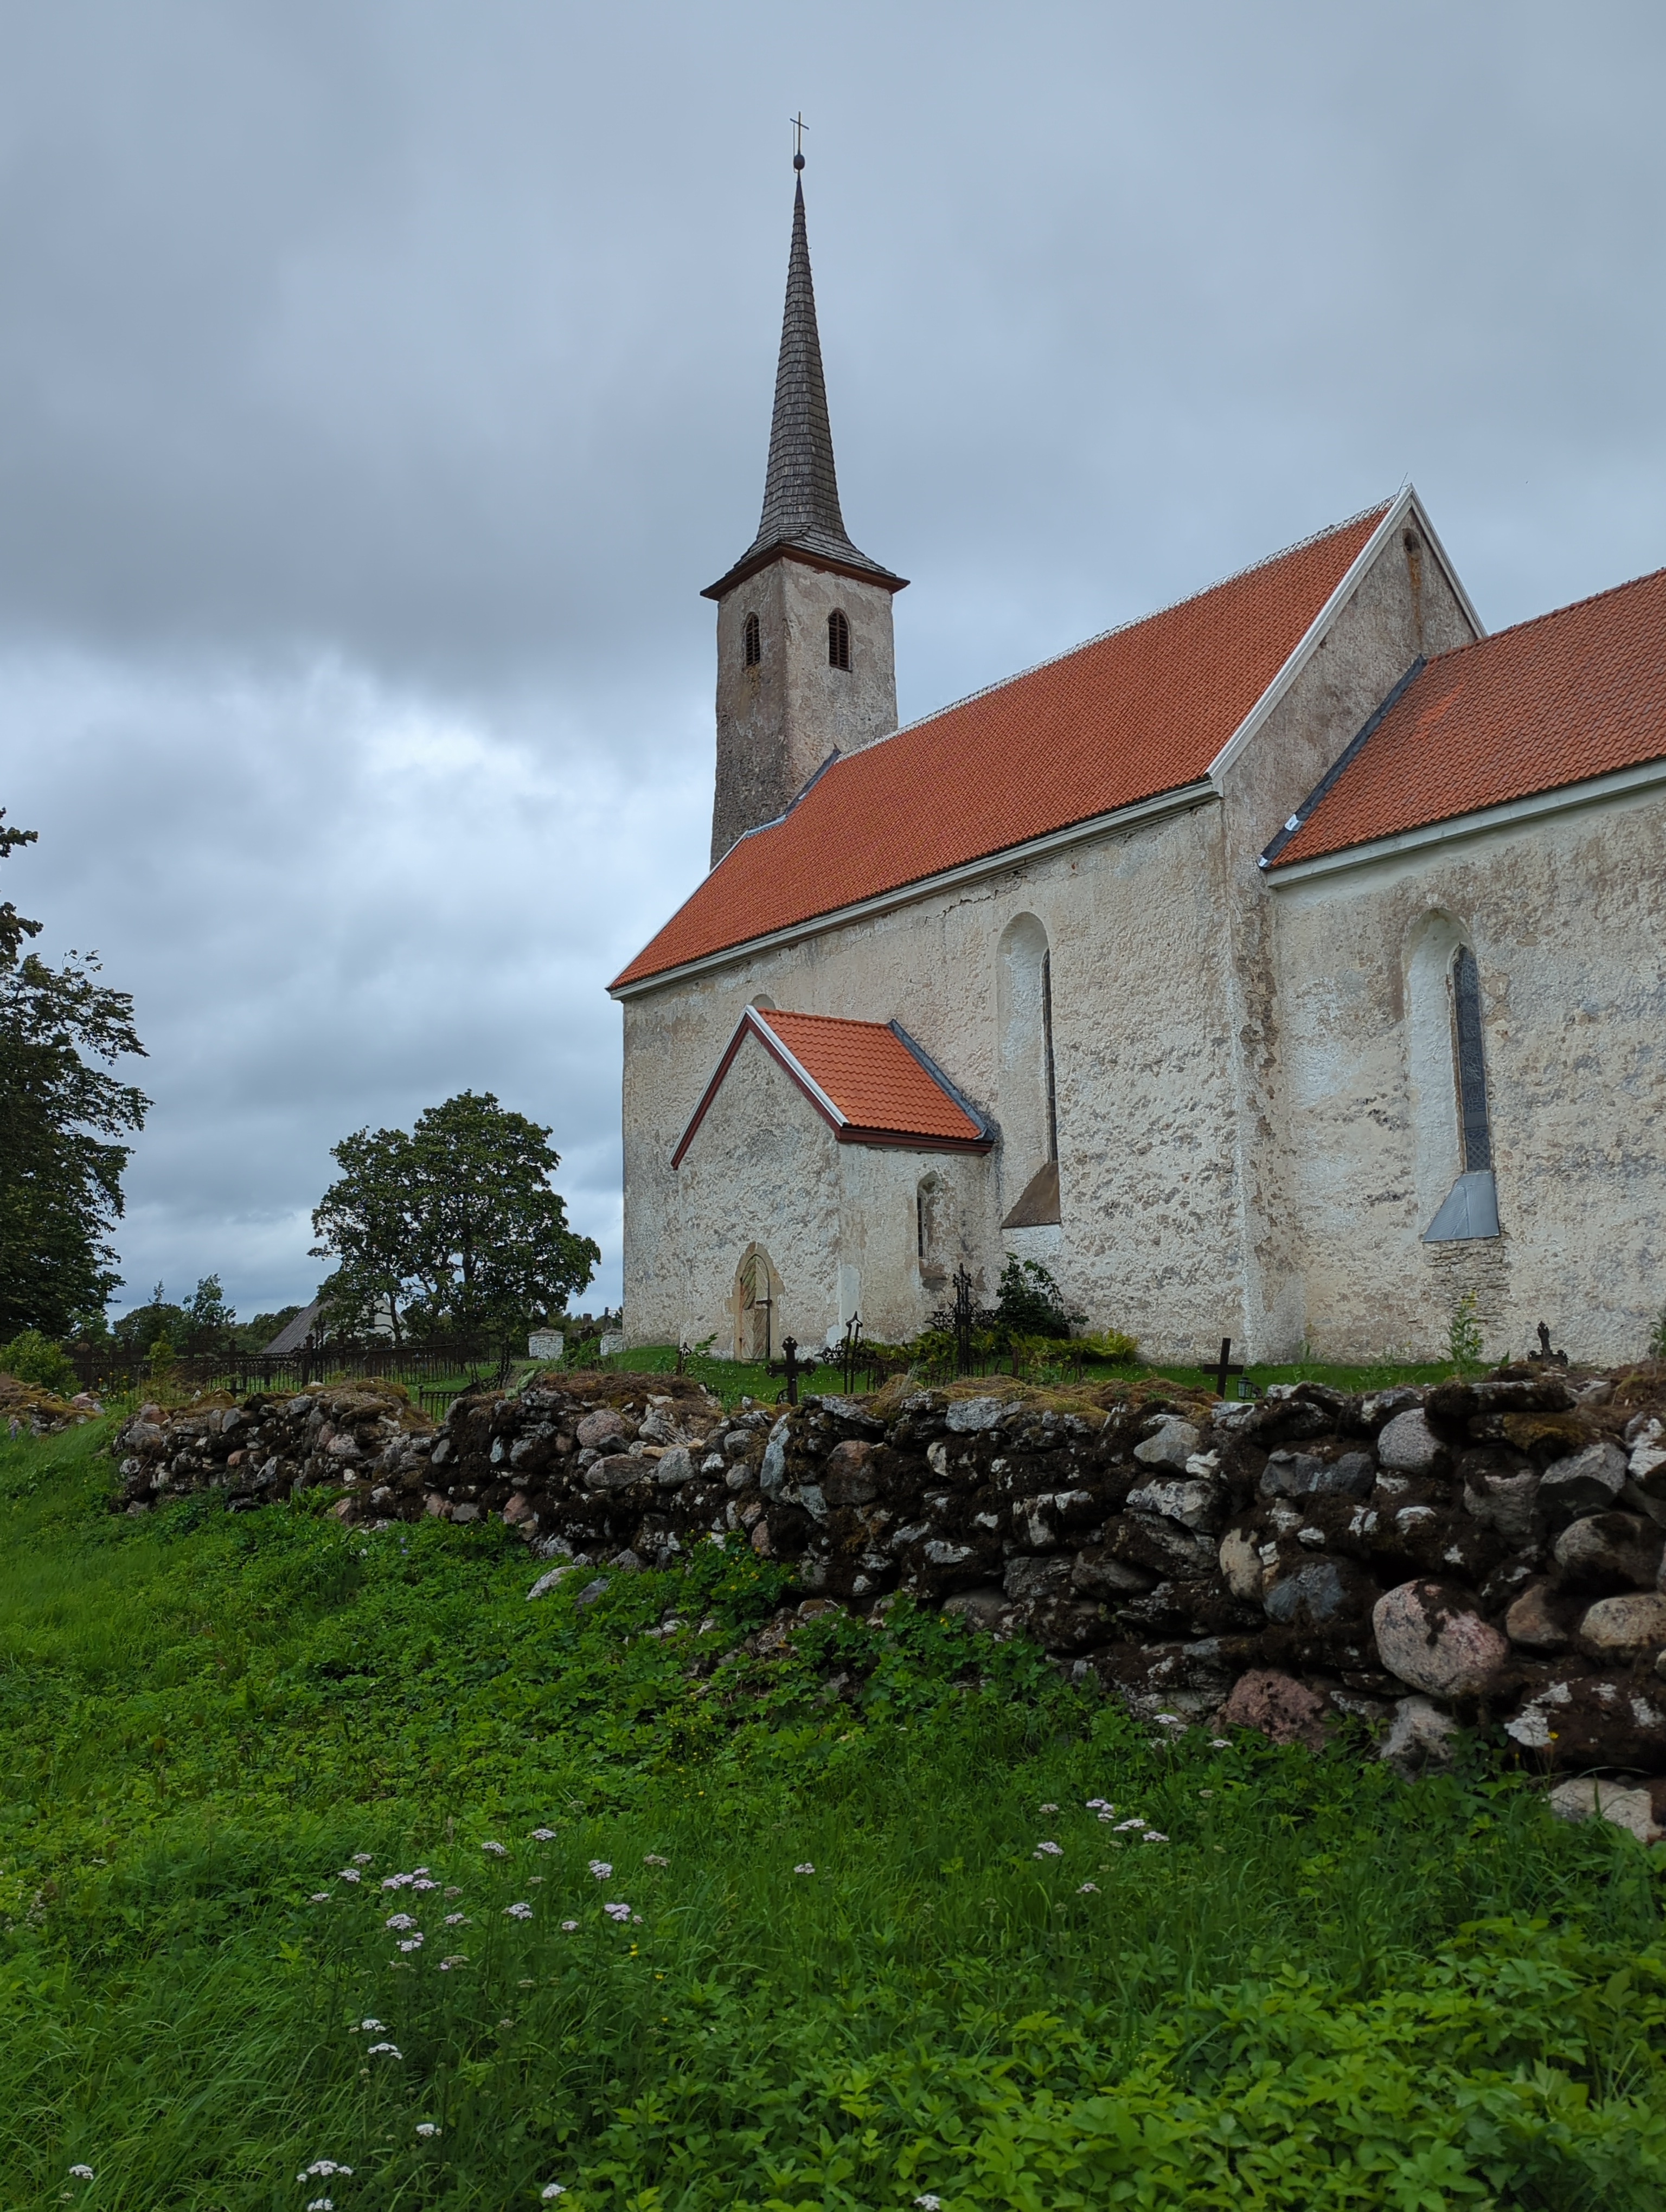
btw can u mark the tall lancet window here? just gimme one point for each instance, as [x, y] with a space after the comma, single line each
[838, 640]
[1446, 1041]
[752, 642]
[1471, 1067]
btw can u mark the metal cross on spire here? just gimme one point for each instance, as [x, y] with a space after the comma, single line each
[799, 126]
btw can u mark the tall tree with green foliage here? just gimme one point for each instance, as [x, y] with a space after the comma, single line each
[61, 1119]
[456, 1225]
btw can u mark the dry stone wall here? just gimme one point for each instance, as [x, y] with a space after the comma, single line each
[1484, 1553]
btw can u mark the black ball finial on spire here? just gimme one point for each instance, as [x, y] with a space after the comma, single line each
[797, 161]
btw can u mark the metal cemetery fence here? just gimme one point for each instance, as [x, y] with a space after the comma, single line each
[431, 1368]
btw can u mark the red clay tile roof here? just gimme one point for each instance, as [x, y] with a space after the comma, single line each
[880, 1091]
[1137, 712]
[1553, 701]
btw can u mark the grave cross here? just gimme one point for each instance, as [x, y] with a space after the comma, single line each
[1221, 1368]
[792, 1367]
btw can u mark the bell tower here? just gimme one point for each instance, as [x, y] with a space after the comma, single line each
[805, 665]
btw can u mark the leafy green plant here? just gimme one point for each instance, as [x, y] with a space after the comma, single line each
[1463, 1334]
[32, 1357]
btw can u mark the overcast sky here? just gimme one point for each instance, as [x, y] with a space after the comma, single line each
[379, 384]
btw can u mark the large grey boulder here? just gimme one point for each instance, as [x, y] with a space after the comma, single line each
[1430, 1638]
[1171, 1444]
[600, 1429]
[1408, 1445]
[1586, 1482]
[1608, 1552]
[1616, 1630]
[1193, 1504]
[1421, 1738]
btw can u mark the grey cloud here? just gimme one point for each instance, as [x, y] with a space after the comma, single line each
[379, 384]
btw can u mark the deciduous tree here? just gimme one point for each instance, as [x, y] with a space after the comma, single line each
[61, 1118]
[456, 1225]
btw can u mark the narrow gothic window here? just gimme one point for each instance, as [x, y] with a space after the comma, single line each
[752, 645]
[1471, 1067]
[838, 640]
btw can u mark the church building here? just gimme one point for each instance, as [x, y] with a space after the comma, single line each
[1287, 965]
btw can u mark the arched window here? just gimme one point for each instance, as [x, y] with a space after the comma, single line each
[752, 642]
[929, 1207]
[838, 640]
[1471, 1067]
[1028, 1095]
[1456, 1194]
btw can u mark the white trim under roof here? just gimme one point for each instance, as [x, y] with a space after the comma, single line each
[1179, 801]
[1566, 798]
[1404, 502]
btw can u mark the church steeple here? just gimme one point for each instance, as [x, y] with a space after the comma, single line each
[804, 628]
[800, 486]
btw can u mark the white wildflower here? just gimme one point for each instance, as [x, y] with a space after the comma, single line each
[426, 2128]
[397, 1880]
[374, 2027]
[497, 1850]
[654, 1859]
[322, 2204]
[543, 1835]
[1153, 1836]
[567, 1926]
[383, 2051]
[928, 2202]
[616, 1911]
[522, 1912]
[81, 2174]
[413, 1942]
[1133, 1821]
[458, 1920]
[453, 1889]
[360, 1858]
[1170, 1720]
[350, 1874]
[601, 1869]
[1100, 1805]
[552, 2189]
[320, 1897]
[422, 1881]
[1109, 1810]
[1088, 1889]
[1048, 1808]
[399, 1920]
[1047, 1851]
[322, 2166]
[457, 1959]
[804, 1867]
[1220, 1743]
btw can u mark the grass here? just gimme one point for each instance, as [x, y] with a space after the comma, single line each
[731, 1380]
[1323, 1990]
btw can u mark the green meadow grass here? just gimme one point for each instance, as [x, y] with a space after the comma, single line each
[733, 1379]
[1321, 1990]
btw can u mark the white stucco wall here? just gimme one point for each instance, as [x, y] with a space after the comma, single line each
[839, 1222]
[1566, 915]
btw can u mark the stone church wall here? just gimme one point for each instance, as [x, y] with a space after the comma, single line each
[1143, 1076]
[1566, 916]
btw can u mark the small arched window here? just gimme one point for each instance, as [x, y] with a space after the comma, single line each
[838, 640]
[752, 642]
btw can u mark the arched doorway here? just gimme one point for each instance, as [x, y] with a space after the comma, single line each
[757, 1296]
